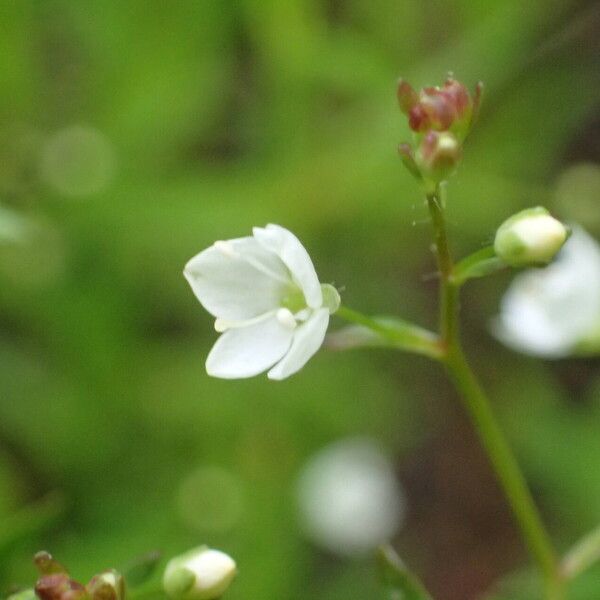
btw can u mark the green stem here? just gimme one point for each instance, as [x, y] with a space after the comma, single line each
[479, 264]
[479, 409]
[396, 333]
[448, 290]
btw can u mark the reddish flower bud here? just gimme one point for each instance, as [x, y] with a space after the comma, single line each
[446, 108]
[407, 97]
[59, 586]
[438, 155]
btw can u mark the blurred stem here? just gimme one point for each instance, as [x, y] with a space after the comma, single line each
[479, 409]
[582, 556]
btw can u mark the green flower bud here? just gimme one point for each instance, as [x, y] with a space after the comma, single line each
[531, 237]
[46, 564]
[200, 574]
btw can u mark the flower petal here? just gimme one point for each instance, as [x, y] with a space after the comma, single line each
[308, 338]
[547, 312]
[248, 351]
[289, 248]
[238, 279]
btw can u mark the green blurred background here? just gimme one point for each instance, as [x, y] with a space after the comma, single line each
[132, 135]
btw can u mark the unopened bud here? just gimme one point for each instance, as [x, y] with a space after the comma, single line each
[108, 585]
[407, 97]
[200, 574]
[531, 237]
[59, 586]
[438, 155]
[46, 564]
[433, 111]
[447, 108]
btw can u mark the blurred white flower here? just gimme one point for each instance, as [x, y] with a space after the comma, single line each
[267, 300]
[349, 497]
[548, 312]
[200, 574]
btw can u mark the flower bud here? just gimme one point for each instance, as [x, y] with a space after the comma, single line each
[59, 586]
[447, 108]
[531, 237]
[200, 574]
[108, 585]
[407, 97]
[438, 155]
[46, 564]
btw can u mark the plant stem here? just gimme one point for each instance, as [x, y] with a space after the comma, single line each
[448, 290]
[396, 333]
[479, 409]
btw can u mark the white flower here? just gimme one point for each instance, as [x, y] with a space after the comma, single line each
[349, 497]
[200, 574]
[268, 303]
[548, 312]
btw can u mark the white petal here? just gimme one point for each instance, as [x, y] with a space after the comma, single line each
[547, 312]
[238, 279]
[248, 351]
[308, 338]
[288, 247]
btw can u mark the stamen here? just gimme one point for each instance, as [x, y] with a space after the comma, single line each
[221, 325]
[286, 318]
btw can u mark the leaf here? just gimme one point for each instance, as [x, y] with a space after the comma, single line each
[141, 569]
[30, 521]
[399, 582]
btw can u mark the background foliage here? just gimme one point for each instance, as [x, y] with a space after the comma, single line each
[135, 133]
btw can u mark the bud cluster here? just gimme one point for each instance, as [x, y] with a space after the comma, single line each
[200, 574]
[441, 118]
[55, 583]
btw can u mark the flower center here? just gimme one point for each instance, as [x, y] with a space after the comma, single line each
[293, 300]
[286, 318]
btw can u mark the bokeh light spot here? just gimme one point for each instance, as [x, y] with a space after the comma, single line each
[349, 498]
[78, 161]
